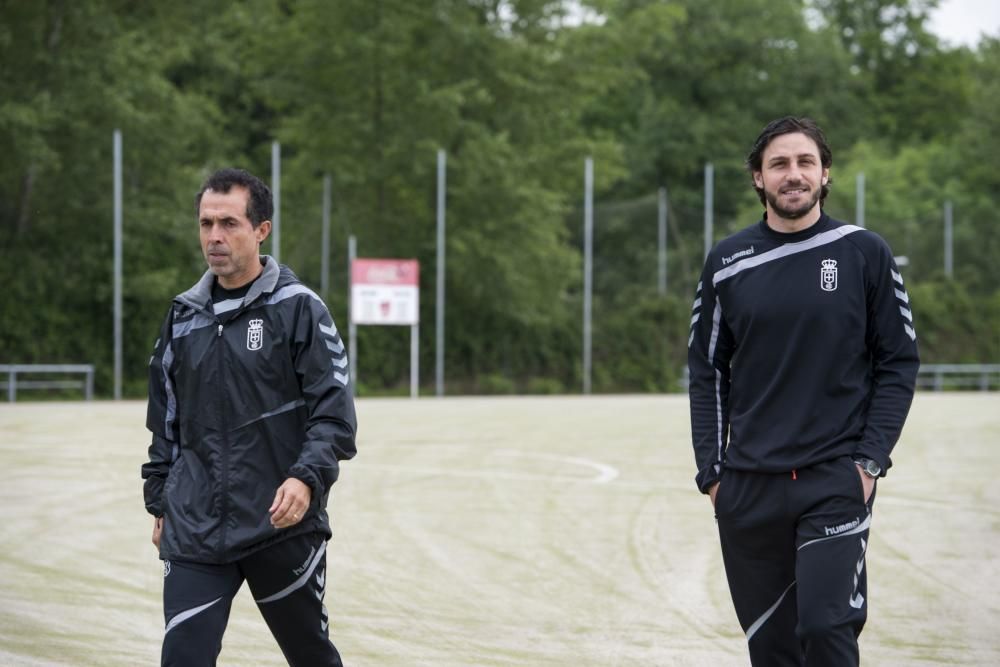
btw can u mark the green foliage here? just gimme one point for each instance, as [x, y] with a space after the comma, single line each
[518, 95]
[494, 383]
[955, 326]
[544, 386]
[641, 345]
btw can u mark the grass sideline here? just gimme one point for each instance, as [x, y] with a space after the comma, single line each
[536, 531]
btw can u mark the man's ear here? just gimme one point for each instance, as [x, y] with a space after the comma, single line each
[263, 230]
[758, 179]
[826, 176]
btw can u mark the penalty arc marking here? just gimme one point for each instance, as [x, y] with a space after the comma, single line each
[604, 473]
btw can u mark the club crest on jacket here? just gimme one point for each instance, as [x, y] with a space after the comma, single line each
[255, 335]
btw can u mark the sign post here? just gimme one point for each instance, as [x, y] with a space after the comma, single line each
[387, 292]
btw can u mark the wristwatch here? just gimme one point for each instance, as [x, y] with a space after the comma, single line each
[869, 467]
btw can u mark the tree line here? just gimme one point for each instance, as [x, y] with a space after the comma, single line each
[519, 93]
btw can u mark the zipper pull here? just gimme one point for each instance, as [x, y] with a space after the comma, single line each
[220, 329]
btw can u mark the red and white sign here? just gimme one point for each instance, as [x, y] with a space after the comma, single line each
[385, 291]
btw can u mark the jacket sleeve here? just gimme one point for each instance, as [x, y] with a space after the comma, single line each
[161, 420]
[322, 368]
[710, 349]
[892, 342]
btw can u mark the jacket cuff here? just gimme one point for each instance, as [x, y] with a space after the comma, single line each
[306, 476]
[875, 455]
[152, 492]
[706, 477]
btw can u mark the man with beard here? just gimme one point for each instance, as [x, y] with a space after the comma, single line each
[803, 362]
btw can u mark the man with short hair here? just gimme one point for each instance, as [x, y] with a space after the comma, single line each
[803, 363]
[251, 412]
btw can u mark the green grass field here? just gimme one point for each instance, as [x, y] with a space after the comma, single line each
[499, 531]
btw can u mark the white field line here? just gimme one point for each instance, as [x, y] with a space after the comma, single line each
[604, 472]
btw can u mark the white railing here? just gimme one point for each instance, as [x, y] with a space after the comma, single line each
[985, 377]
[14, 383]
[959, 376]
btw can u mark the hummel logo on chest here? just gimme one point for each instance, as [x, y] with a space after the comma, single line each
[737, 255]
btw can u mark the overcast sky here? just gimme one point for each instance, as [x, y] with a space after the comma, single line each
[961, 22]
[958, 22]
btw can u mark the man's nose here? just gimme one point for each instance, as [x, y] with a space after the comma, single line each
[215, 233]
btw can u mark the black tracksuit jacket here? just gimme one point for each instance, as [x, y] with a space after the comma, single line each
[237, 408]
[802, 349]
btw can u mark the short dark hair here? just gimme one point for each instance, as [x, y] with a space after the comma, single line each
[789, 125]
[260, 204]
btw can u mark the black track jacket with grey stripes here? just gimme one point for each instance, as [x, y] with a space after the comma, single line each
[802, 349]
[237, 408]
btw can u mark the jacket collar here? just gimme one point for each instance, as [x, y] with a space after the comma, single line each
[267, 281]
[199, 296]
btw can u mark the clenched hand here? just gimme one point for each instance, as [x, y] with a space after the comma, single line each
[291, 502]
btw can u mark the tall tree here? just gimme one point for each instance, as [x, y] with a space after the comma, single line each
[488, 83]
[914, 87]
[73, 73]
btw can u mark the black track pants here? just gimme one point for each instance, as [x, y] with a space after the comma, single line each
[288, 582]
[794, 550]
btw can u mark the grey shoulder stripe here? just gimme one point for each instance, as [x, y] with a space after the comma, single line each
[185, 615]
[784, 251]
[290, 291]
[198, 321]
[298, 583]
[226, 306]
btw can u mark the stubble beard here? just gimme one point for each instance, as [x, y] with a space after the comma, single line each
[791, 213]
[223, 268]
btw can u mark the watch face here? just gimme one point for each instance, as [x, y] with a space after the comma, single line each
[870, 467]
